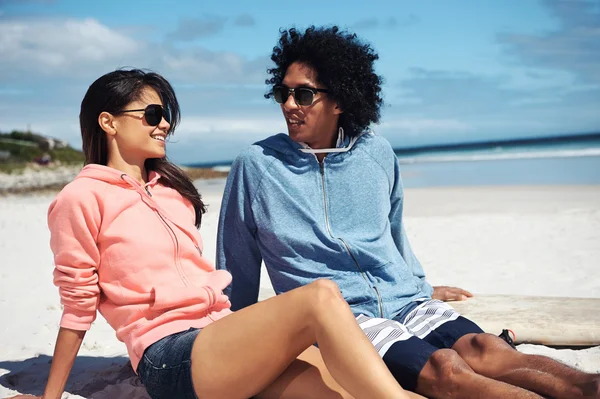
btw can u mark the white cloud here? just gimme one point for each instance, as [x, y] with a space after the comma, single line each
[574, 46]
[53, 47]
[202, 139]
[33, 48]
[198, 126]
[201, 65]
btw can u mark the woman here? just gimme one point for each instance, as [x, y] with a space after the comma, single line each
[125, 242]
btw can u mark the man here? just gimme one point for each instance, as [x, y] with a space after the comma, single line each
[325, 201]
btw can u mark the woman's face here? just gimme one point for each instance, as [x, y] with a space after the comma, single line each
[135, 139]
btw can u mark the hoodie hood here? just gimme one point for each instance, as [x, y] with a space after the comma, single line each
[283, 144]
[117, 178]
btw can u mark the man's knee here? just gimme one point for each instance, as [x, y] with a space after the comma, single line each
[445, 366]
[489, 343]
[443, 374]
[482, 346]
[486, 353]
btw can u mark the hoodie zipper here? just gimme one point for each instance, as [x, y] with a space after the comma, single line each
[177, 242]
[164, 221]
[362, 273]
[177, 263]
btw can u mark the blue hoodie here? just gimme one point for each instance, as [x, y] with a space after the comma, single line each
[340, 219]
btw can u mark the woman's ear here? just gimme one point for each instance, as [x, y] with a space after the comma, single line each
[107, 123]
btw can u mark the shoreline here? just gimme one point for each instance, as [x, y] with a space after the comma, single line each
[521, 173]
[35, 179]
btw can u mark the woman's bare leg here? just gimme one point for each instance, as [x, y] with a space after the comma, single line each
[242, 354]
[308, 378]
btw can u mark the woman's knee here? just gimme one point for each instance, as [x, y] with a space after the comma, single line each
[325, 289]
[325, 295]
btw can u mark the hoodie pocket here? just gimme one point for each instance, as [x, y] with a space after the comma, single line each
[394, 280]
[208, 293]
[168, 298]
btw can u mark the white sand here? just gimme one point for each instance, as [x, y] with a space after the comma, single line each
[527, 240]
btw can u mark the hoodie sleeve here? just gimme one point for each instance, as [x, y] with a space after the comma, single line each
[74, 221]
[237, 246]
[397, 224]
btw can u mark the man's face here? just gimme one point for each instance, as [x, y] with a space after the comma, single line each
[315, 124]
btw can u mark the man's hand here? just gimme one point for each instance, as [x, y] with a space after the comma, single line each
[448, 294]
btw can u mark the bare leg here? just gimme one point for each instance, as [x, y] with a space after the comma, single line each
[242, 354]
[308, 378]
[447, 376]
[491, 356]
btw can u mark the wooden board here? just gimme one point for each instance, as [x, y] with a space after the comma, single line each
[553, 321]
[541, 320]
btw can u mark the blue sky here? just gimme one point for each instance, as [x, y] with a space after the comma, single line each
[459, 70]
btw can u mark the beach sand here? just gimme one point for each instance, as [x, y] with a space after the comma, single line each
[490, 240]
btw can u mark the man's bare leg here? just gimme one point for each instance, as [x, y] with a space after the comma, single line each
[490, 356]
[447, 376]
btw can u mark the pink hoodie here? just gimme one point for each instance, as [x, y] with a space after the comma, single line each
[133, 253]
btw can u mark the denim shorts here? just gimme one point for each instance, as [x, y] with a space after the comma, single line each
[165, 368]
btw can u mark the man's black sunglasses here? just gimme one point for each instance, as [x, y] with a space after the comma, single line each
[302, 95]
[153, 114]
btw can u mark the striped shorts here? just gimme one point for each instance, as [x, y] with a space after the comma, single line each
[407, 342]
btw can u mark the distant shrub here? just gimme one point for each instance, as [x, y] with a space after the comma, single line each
[27, 154]
[27, 147]
[26, 136]
[67, 155]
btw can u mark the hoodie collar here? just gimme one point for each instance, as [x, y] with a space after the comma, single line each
[343, 144]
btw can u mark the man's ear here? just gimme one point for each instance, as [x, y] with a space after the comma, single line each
[107, 123]
[337, 109]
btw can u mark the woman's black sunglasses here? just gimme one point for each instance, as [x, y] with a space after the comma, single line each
[153, 114]
[302, 95]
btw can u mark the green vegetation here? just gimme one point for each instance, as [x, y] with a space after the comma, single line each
[17, 149]
[20, 149]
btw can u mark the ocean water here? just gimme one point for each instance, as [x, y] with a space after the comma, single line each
[510, 171]
[567, 160]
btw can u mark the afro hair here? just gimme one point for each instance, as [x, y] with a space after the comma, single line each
[342, 62]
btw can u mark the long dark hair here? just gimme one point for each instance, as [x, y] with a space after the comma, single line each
[111, 93]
